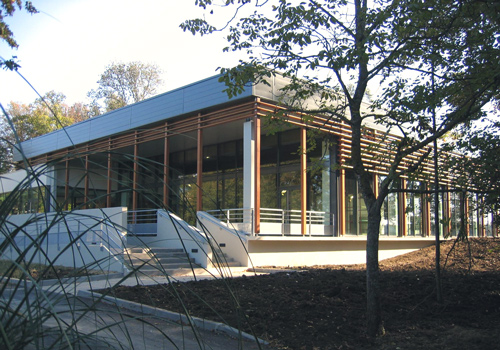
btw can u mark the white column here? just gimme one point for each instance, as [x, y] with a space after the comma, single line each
[248, 169]
[51, 181]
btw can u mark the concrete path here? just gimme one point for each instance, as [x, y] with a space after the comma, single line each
[123, 326]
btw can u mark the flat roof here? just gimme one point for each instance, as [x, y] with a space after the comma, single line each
[194, 97]
[189, 99]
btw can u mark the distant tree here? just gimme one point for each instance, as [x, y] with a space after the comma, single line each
[44, 115]
[125, 83]
[331, 50]
[7, 9]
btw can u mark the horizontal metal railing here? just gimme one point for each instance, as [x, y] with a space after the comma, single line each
[239, 218]
[244, 218]
[145, 216]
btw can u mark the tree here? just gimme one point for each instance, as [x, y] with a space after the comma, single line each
[125, 83]
[7, 9]
[479, 168]
[332, 50]
[44, 115]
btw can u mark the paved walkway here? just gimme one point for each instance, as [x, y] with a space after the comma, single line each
[125, 324]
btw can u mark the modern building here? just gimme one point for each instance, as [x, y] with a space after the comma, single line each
[271, 191]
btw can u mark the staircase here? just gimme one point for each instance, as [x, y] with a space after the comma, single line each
[161, 261]
[158, 261]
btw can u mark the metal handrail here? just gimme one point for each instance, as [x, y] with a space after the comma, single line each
[143, 216]
[238, 216]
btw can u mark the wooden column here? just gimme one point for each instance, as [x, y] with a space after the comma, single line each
[466, 214]
[303, 181]
[494, 228]
[375, 185]
[135, 176]
[86, 182]
[257, 175]
[166, 161]
[66, 185]
[427, 213]
[199, 167]
[402, 210]
[447, 210]
[342, 203]
[483, 230]
[109, 177]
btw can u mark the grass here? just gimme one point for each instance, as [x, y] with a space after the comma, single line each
[43, 272]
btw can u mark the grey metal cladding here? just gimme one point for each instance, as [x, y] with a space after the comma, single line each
[197, 96]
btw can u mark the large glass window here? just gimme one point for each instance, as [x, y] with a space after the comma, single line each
[389, 213]
[440, 212]
[414, 209]
[26, 201]
[222, 180]
[356, 212]
[456, 213]
[473, 216]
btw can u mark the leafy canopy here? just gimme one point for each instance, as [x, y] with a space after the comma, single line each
[125, 83]
[44, 115]
[334, 51]
[7, 9]
[431, 65]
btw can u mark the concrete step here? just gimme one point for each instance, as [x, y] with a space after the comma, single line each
[133, 250]
[149, 266]
[147, 256]
[173, 260]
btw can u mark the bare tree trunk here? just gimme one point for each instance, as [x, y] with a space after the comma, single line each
[373, 307]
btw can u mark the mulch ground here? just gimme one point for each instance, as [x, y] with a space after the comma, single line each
[324, 307]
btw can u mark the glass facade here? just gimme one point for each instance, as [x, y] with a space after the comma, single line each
[356, 213]
[440, 213]
[280, 187]
[389, 213]
[414, 209]
[222, 179]
[455, 210]
[280, 172]
[26, 201]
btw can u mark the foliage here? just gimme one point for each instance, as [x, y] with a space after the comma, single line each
[420, 56]
[7, 9]
[125, 83]
[479, 168]
[44, 115]
[36, 313]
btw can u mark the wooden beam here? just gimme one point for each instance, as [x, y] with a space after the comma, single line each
[199, 167]
[303, 181]
[257, 175]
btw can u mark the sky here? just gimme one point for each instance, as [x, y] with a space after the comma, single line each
[69, 43]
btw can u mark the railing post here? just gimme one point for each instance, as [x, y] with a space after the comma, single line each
[251, 221]
[310, 223]
[282, 222]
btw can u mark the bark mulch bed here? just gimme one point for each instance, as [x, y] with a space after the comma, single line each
[324, 307]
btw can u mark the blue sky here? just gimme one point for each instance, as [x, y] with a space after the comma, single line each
[68, 44]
